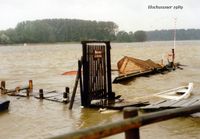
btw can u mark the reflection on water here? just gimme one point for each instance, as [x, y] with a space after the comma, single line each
[44, 64]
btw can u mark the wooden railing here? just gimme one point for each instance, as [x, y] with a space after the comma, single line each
[130, 125]
[28, 88]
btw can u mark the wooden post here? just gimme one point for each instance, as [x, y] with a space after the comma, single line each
[131, 112]
[41, 94]
[173, 56]
[109, 80]
[66, 95]
[80, 63]
[84, 93]
[3, 87]
[17, 89]
[173, 59]
[27, 93]
[30, 86]
[75, 87]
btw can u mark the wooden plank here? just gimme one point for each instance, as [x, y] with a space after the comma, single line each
[52, 96]
[81, 81]
[154, 105]
[180, 103]
[57, 98]
[119, 106]
[196, 103]
[172, 104]
[191, 101]
[75, 86]
[131, 75]
[168, 103]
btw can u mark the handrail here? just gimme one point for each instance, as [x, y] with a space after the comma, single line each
[28, 87]
[128, 124]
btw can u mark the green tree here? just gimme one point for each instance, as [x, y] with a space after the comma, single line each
[140, 36]
[4, 39]
[61, 30]
[123, 36]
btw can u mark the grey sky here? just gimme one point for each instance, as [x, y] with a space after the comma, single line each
[130, 15]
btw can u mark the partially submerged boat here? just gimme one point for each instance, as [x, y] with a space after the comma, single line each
[179, 93]
[4, 104]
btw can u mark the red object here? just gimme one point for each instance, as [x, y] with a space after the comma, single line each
[70, 73]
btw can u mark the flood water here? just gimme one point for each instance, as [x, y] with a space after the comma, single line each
[44, 64]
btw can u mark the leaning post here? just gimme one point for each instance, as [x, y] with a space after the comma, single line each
[131, 112]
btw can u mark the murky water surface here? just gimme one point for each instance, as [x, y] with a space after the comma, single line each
[44, 64]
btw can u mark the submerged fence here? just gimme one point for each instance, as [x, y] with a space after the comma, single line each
[28, 88]
[130, 125]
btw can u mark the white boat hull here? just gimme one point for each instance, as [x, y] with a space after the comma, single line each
[179, 93]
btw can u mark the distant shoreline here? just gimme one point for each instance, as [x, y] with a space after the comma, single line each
[63, 43]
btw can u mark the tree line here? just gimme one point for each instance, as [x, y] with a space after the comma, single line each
[166, 35]
[67, 30]
[74, 30]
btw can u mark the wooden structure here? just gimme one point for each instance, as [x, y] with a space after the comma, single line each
[130, 125]
[17, 90]
[129, 67]
[78, 76]
[54, 95]
[95, 80]
[119, 105]
[132, 65]
[170, 104]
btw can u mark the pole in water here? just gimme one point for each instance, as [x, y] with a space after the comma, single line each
[75, 86]
[66, 95]
[173, 55]
[41, 94]
[174, 33]
[3, 87]
[30, 86]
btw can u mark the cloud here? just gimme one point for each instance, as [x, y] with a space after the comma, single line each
[128, 14]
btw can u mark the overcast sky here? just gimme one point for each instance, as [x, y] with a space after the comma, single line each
[129, 15]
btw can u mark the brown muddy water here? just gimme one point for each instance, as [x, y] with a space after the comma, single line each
[44, 64]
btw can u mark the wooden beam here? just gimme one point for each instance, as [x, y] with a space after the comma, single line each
[127, 124]
[75, 86]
